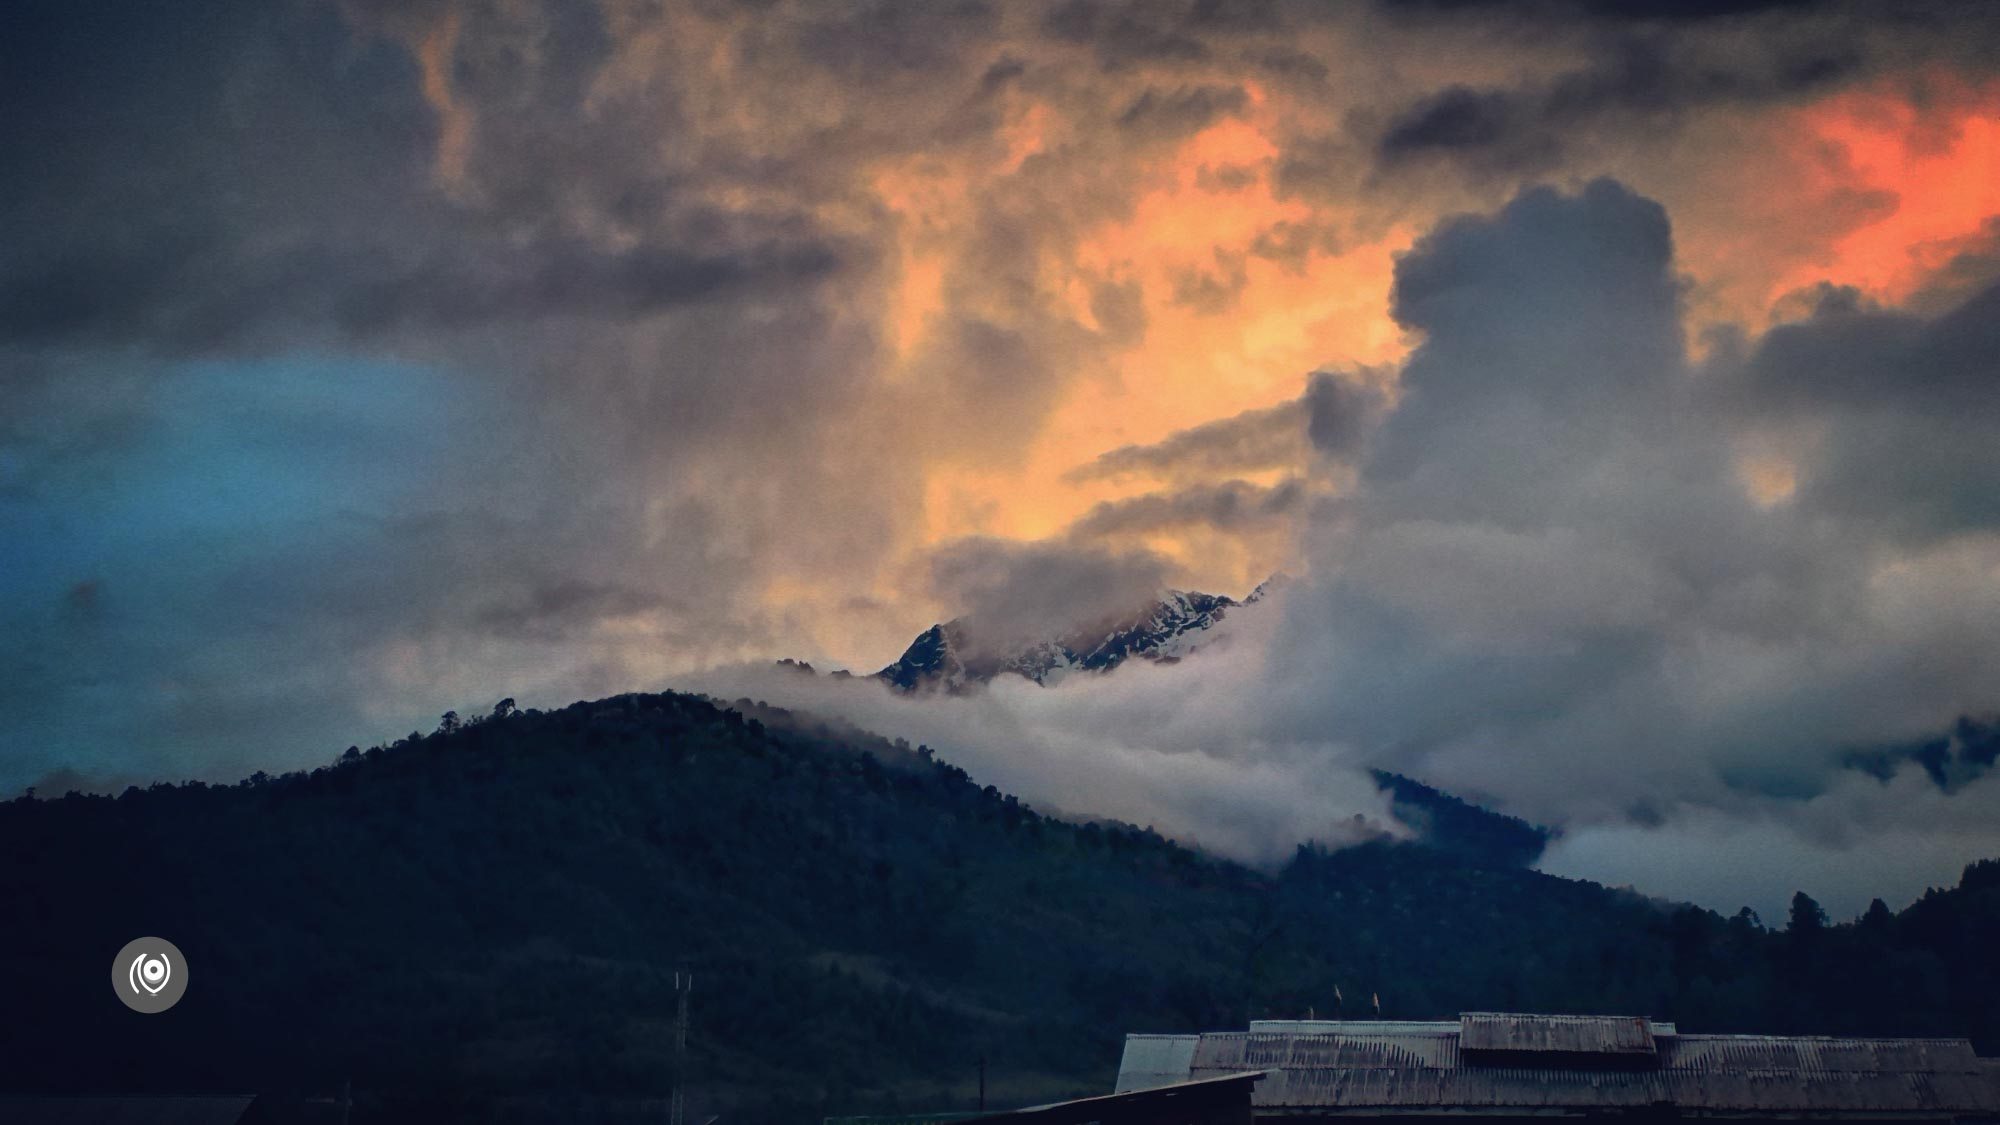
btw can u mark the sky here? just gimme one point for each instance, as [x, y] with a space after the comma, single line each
[1616, 386]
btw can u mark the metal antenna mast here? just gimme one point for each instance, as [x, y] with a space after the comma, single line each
[683, 984]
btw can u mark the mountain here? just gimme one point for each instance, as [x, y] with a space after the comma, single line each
[484, 923]
[952, 657]
[1465, 830]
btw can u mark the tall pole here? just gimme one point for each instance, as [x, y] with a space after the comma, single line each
[982, 1083]
[683, 984]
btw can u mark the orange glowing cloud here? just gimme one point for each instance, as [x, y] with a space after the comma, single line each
[1937, 161]
[1242, 294]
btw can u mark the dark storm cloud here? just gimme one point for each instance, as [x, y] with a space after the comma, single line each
[560, 605]
[1250, 441]
[1126, 33]
[1637, 79]
[1232, 506]
[1236, 15]
[1341, 413]
[1850, 356]
[566, 277]
[1619, 10]
[1506, 500]
[234, 234]
[1501, 418]
[1461, 118]
[1334, 415]
[886, 36]
[1614, 73]
[1178, 112]
[207, 296]
[1294, 65]
[1903, 410]
[159, 137]
[1178, 30]
[1913, 17]
[1601, 258]
[266, 177]
[1952, 760]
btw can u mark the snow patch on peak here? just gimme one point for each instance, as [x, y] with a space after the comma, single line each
[1166, 630]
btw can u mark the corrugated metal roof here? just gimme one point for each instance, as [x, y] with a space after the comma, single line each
[903, 1119]
[1357, 1027]
[1377, 1067]
[1152, 1061]
[1236, 1049]
[1819, 1054]
[1542, 1088]
[1585, 1035]
[1661, 1028]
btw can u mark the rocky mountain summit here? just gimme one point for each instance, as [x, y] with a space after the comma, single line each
[951, 656]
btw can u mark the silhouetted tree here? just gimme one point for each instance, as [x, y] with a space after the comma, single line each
[1807, 918]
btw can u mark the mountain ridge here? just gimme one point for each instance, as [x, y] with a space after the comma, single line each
[482, 924]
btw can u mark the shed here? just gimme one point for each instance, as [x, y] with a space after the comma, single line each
[1507, 1065]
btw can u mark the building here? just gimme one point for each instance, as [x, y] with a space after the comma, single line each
[1502, 1066]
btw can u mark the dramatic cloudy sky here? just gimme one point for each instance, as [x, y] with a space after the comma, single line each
[1619, 383]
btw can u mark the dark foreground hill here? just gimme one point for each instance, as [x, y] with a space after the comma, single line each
[484, 924]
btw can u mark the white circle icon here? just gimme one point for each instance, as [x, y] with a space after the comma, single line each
[151, 972]
[149, 975]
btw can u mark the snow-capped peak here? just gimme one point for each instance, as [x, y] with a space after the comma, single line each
[1165, 630]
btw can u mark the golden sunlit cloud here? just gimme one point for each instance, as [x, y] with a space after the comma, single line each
[1084, 257]
[1240, 294]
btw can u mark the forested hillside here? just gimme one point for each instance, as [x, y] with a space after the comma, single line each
[485, 922]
